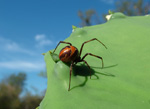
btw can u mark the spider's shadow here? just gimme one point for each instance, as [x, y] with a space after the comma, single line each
[83, 70]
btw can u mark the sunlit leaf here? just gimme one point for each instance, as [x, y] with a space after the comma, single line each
[123, 83]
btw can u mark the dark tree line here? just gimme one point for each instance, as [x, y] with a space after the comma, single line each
[10, 90]
[132, 7]
[128, 7]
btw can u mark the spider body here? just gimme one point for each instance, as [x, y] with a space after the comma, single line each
[68, 54]
[71, 54]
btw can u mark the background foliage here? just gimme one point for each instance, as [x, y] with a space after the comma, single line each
[128, 7]
[10, 91]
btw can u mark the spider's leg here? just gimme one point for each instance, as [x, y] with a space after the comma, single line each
[90, 41]
[61, 42]
[94, 56]
[88, 67]
[70, 75]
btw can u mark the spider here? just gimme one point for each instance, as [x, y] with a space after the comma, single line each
[71, 54]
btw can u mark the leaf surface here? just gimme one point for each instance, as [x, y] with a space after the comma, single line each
[123, 83]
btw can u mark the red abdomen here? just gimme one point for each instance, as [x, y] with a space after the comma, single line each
[68, 54]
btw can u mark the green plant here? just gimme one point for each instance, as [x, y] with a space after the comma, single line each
[124, 81]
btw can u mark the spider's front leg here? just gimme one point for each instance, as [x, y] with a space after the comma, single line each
[90, 41]
[62, 42]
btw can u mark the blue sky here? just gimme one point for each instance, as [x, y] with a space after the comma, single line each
[31, 27]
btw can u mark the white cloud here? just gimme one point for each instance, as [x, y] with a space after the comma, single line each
[108, 1]
[9, 45]
[17, 58]
[12, 46]
[23, 65]
[42, 40]
[39, 37]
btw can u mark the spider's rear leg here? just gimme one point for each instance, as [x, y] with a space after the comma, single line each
[94, 56]
[88, 67]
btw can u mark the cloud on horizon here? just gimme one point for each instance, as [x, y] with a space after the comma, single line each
[22, 65]
[14, 57]
[11, 46]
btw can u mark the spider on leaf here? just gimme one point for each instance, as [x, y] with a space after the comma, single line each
[71, 54]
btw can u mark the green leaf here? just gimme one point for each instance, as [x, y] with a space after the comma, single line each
[74, 27]
[110, 12]
[54, 56]
[124, 81]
